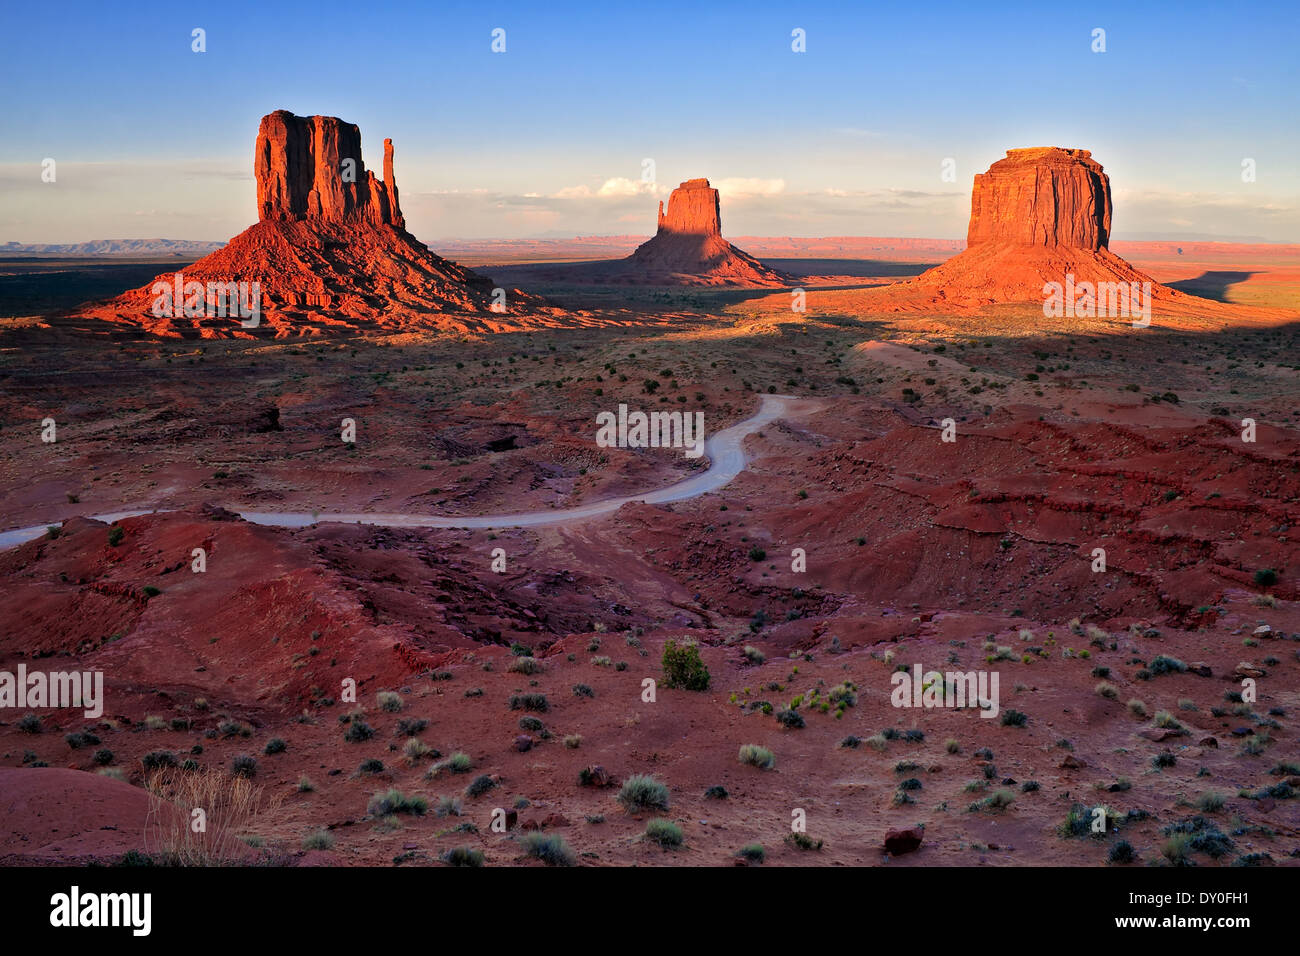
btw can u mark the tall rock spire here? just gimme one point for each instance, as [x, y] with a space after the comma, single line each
[310, 168]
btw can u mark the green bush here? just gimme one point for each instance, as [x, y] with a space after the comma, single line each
[534, 702]
[318, 840]
[643, 792]
[549, 848]
[463, 856]
[664, 832]
[752, 852]
[394, 801]
[756, 756]
[683, 667]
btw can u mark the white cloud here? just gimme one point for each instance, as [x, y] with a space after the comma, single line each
[743, 188]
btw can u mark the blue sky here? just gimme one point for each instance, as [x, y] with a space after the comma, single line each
[548, 138]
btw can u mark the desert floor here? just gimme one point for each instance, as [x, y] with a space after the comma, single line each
[1118, 688]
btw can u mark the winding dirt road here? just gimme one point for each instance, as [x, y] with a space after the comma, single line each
[725, 450]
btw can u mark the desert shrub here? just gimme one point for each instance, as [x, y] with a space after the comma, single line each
[1137, 708]
[388, 701]
[463, 856]
[756, 756]
[997, 800]
[802, 841]
[952, 746]
[103, 756]
[533, 702]
[525, 665]
[1121, 852]
[318, 840]
[480, 785]
[159, 760]
[1211, 802]
[1106, 690]
[664, 832]
[1029, 786]
[790, 719]
[530, 723]
[850, 742]
[683, 667]
[275, 746]
[414, 749]
[1164, 664]
[573, 741]
[550, 848]
[753, 654]
[30, 724]
[243, 766]
[582, 690]
[1166, 720]
[358, 730]
[1078, 822]
[1265, 577]
[1014, 718]
[115, 536]
[457, 763]
[411, 726]
[393, 800]
[1203, 836]
[447, 807]
[643, 792]
[752, 853]
[715, 792]
[1163, 759]
[80, 738]
[370, 766]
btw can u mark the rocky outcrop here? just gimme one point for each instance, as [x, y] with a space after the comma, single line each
[1040, 219]
[330, 252]
[1044, 196]
[693, 209]
[688, 248]
[310, 168]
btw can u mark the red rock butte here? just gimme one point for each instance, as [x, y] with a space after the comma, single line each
[330, 251]
[688, 248]
[309, 168]
[1042, 197]
[1037, 216]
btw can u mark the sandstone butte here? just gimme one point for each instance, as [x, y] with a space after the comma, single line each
[688, 247]
[1037, 216]
[330, 250]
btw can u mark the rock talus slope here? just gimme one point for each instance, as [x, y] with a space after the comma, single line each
[330, 251]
